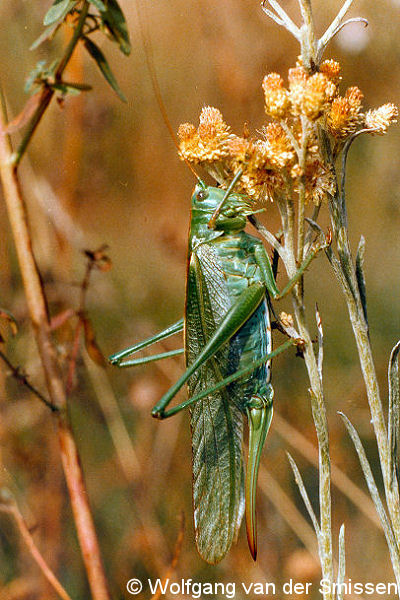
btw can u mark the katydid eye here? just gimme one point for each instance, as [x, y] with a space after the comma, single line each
[202, 195]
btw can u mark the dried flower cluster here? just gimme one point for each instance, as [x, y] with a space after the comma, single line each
[287, 155]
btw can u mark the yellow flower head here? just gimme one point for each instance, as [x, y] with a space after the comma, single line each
[189, 141]
[344, 117]
[318, 91]
[277, 100]
[331, 69]
[354, 95]
[287, 155]
[241, 150]
[297, 82]
[248, 156]
[277, 146]
[207, 143]
[211, 124]
[319, 181]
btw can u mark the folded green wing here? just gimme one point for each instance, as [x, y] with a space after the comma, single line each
[216, 423]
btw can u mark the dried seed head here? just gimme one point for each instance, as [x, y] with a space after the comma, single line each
[189, 143]
[248, 156]
[338, 118]
[318, 91]
[380, 118]
[208, 143]
[277, 100]
[186, 131]
[344, 117]
[354, 95]
[331, 69]
[319, 181]
[211, 124]
[240, 149]
[277, 146]
[262, 183]
[296, 171]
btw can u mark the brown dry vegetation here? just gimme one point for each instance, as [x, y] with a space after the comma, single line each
[106, 172]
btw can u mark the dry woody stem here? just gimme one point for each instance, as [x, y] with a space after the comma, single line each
[12, 509]
[38, 313]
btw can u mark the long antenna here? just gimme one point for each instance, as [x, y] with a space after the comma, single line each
[149, 55]
[232, 184]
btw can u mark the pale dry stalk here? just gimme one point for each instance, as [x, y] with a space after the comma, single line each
[349, 285]
[324, 462]
[37, 307]
[12, 509]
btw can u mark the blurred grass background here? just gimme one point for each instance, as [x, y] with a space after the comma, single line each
[100, 171]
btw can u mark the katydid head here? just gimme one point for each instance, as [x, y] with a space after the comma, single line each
[218, 210]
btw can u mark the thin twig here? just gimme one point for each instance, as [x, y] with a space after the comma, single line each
[37, 307]
[373, 490]
[308, 39]
[19, 376]
[288, 510]
[342, 564]
[343, 483]
[12, 509]
[281, 17]
[304, 495]
[330, 32]
[175, 557]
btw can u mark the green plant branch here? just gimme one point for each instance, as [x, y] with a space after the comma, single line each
[47, 91]
[346, 274]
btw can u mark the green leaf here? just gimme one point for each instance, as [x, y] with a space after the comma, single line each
[394, 413]
[304, 494]
[113, 19]
[65, 89]
[360, 276]
[47, 34]
[81, 87]
[58, 11]
[36, 73]
[73, 89]
[374, 493]
[99, 5]
[40, 75]
[342, 564]
[103, 65]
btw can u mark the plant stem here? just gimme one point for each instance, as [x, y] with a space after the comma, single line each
[38, 313]
[48, 92]
[360, 330]
[308, 39]
[348, 280]
[13, 510]
[321, 427]
[25, 381]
